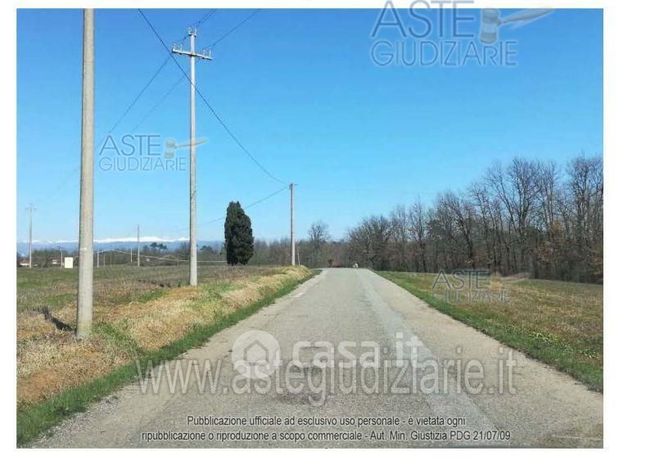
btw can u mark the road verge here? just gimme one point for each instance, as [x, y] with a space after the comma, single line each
[558, 323]
[238, 301]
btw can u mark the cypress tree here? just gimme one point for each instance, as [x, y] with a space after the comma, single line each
[239, 241]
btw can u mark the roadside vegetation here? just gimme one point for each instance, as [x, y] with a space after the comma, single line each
[134, 319]
[116, 284]
[559, 323]
[526, 216]
[523, 216]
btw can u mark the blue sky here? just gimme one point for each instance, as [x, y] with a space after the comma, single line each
[301, 92]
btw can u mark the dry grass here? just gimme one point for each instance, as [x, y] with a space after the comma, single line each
[570, 311]
[51, 361]
[57, 288]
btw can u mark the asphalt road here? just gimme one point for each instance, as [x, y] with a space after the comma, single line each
[435, 383]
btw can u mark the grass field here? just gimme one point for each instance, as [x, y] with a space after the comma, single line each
[559, 323]
[139, 314]
[114, 285]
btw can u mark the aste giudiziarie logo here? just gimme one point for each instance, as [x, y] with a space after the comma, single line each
[144, 152]
[446, 34]
[469, 286]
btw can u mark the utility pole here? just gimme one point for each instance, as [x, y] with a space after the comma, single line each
[30, 209]
[85, 277]
[205, 55]
[61, 257]
[138, 245]
[98, 259]
[293, 239]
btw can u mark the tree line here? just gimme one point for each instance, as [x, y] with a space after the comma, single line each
[317, 249]
[527, 217]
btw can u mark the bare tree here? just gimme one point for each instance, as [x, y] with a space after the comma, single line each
[462, 212]
[418, 234]
[585, 216]
[318, 236]
[368, 243]
[399, 238]
[525, 217]
[490, 224]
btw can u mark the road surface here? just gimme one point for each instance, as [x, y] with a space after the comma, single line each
[306, 397]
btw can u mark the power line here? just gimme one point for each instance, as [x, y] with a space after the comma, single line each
[224, 36]
[67, 179]
[256, 202]
[211, 109]
[250, 205]
[75, 170]
[209, 14]
[177, 83]
[158, 103]
[238, 142]
[169, 258]
[153, 77]
[138, 96]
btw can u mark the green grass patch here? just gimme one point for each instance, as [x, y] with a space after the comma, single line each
[558, 323]
[118, 338]
[34, 420]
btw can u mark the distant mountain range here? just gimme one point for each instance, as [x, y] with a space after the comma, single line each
[110, 244]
